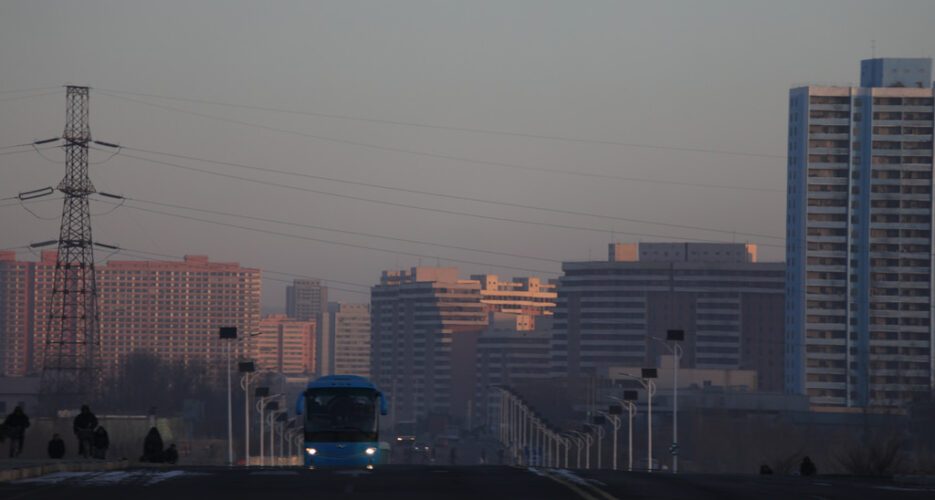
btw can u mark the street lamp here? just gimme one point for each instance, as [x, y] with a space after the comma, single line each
[265, 401]
[229, 333]
[579, 442]
[598, 422]
[674, 336]
[271, 420]
[646, 380]
[612, 415]
[248, 369]
[281, 419]
[629, 402]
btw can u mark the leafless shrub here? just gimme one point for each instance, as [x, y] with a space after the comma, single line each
[874, 456]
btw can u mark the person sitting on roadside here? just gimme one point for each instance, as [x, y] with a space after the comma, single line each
[172, 454]
[152, 447]
[101, 443]
[56, 447]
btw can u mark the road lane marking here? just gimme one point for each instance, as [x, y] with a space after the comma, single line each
[579, 486]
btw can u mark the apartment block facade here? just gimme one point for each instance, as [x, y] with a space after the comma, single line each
[349, 337]
[167, 308]
[729, 305]
[284, 345]
[859, 238]
[425, 324]
[16, 315]
[306, 299]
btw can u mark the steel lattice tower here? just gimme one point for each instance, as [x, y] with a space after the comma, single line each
[71, 341]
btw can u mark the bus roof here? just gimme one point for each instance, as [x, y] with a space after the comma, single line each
[341, 381]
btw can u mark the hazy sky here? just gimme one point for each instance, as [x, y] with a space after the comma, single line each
[496, 85]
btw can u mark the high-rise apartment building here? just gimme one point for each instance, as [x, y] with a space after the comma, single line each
[285, 345]
[509, 353]
[306, 299]
[349, 338]
[415, 316]
[859, 238]
[425, 323]
[729, 306]
[16, 315]
[170, 309]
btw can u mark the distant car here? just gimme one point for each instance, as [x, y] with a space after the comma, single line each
[405, 438]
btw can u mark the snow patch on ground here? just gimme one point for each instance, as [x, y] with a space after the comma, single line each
[146, 477]
[162, 476]
[54, 478]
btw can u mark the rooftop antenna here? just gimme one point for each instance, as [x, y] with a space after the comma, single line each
[873, 49]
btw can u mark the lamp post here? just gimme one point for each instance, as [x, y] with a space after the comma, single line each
[271, 419]
[579, 442]
[630, 404]
[612, 415]
[248, 369]
[598, 423]
[646, 380]
[281, 419]
[266, 401]
[674, 336]
[629, 400]
[229, 333]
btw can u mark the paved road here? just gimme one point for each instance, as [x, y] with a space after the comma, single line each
[445, 482]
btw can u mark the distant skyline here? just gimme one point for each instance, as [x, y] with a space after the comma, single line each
[686, 93]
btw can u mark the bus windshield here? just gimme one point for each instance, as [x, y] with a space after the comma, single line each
[340, 414]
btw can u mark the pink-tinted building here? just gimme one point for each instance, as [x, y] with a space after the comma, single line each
[168, 308]
[285, 345]
[16, 315]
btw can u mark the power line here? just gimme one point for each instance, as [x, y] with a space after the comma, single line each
[30, 150]
[453, 127]
[6, 99]
[332, 242]
[450, 196]
[415, 207]
[342, 231]
[440, 156]
[35, 89]
[144, 253]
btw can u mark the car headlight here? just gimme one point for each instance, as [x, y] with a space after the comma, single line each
[311, 451]
[370, 451]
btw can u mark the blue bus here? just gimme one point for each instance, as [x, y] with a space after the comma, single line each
[342, 421]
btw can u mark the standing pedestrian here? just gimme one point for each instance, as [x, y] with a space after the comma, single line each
[16, 424]
[84, 425]
[807, 467]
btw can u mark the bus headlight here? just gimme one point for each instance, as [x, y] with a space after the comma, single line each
[311, 451]
[370, 451]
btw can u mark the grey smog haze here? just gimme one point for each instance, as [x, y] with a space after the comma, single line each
[586, 122]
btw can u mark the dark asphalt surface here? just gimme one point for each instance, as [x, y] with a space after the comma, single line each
[444, 482]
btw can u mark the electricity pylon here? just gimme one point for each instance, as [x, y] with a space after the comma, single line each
[69, 371]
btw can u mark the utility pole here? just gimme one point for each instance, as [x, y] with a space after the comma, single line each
[71, 338]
